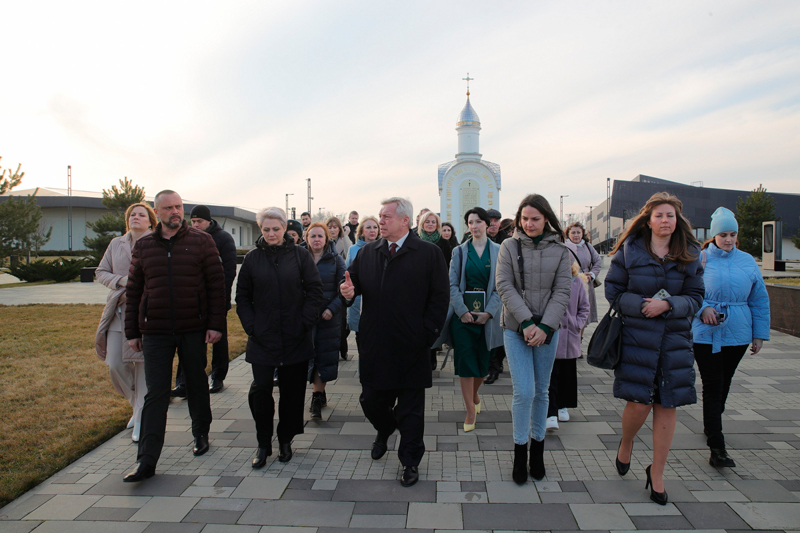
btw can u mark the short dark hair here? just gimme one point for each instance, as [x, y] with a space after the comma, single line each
[304, 213]
[482, 214]
[160, 194]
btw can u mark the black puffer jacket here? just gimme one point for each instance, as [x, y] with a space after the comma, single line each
[227, 254]
[175, 286]
[664, 342]
[278, 297]
[327, 333]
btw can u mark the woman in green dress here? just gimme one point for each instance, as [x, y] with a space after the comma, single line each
[474, 314]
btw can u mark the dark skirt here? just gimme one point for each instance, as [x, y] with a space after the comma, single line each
[470, 355]
[563, 385]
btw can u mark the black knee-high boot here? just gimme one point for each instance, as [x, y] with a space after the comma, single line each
[520, 472]
[537, 459]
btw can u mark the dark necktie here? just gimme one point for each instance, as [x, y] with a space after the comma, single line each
[392, 249]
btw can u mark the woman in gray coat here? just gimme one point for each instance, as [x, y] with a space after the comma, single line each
[534, 281]
[474, 332]
[589, 260]
[656, 282]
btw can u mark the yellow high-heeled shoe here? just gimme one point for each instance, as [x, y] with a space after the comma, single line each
[478, 408]
[468, 427]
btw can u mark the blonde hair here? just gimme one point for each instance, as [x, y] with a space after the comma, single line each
[151, 215]
[425, 215]
[360, 229]
[274, 213]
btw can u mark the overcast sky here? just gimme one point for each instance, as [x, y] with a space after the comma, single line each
[239, 102]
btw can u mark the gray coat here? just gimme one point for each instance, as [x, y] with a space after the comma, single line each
[548, 280]
[458, 284]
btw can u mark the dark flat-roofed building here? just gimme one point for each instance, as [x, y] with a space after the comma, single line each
[628, 197]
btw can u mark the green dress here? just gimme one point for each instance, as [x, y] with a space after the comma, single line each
[470, 355]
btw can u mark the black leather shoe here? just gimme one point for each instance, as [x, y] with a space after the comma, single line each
[622, 468]
[379, 446]
[658, 497]
[200, 445]
[410, 476]
[216, 386]
[343, 355]
[720, 459]
[142, 472]
[178, 392]
[491, 378]
[285, 452]
[261, 457]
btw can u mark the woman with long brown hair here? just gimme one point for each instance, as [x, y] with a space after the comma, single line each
[656, 283]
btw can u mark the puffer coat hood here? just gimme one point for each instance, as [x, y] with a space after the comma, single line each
[664, 342]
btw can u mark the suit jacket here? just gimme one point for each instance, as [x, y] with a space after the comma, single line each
[404, 303]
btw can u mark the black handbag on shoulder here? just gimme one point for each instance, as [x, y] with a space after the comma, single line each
[605, 346]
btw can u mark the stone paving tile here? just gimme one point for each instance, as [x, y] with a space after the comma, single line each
[648, 509]
[24, 505]
[204, 516]
[520, 517]
[384, 491]
[398, 508]
[227, 528]
[111, 514]
[510, 492]
[165, 527]
[672, 523]
[709, 515]
[62, 507]
[462, 497]
[764, 490]
[294, 513]
[769, 515]
[261, 488]
[63, 526]
[601, 516]
[165, 509]
[158, 485]
[434, 516]
[307, 495]
[565, 497]
[18, 527]
[378, 521]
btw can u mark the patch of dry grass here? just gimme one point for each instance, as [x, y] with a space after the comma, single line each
[783, 281]
[56, 398]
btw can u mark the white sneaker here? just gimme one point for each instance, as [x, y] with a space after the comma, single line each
[552, 422]
[563, 414]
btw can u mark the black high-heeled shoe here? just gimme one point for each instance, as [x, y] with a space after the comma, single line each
[622, 468]
[659, 497]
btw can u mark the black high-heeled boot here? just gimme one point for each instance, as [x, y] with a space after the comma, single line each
[659, 497]
[537, 459]
[520, 472]
[622, 468]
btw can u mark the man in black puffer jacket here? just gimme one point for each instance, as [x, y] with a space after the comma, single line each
[201, 220]
[176, 300]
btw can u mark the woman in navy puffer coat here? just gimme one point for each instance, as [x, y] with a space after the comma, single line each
[327, 330]
[656, 281]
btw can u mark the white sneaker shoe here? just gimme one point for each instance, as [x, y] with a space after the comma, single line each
[563, 415]
[552, 422]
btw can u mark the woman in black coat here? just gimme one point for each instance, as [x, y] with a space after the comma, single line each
[278, 297]
[656, 281]
[327, 331]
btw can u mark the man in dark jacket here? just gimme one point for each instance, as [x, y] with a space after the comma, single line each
[176, 300]
[201, 220]
[405, 294]
[499, 353]
[352, 226]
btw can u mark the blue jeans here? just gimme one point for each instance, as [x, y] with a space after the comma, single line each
[530, 377]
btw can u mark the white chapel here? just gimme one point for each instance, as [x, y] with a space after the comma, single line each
[468, 180]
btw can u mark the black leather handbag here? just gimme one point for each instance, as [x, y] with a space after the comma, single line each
[605, 346]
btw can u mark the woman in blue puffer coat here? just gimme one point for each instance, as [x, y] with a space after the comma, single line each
[367, 232]
[656, 281]
[735, 313]
[327, 331]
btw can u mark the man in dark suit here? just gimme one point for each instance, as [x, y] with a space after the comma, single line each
[405, 292]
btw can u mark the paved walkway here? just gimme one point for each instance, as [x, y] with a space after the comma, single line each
[332, 484]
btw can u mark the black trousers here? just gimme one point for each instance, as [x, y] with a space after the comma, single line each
[496, 360]
[344, 335]
[159, 350]
[563, 386]
[292, 387]
[219, 360]
[402, 409]
[716, 371]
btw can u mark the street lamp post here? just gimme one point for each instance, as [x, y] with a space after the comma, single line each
[561, 212]
[590, 220]
[288, 194]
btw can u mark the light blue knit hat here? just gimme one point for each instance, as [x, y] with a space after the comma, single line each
[723, 219]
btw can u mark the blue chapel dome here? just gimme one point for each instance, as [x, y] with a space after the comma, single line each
[468, 116]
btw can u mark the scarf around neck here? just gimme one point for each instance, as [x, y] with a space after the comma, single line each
[433, 237]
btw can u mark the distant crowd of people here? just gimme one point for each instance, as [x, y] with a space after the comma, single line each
[520, 289]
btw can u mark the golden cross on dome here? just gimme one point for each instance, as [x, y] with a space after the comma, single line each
[468, 79]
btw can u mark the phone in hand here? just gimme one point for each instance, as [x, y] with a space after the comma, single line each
[721, 318]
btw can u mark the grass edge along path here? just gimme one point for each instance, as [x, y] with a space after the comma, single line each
[57, 401]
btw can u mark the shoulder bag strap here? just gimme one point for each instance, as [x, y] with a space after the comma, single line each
[521, 264]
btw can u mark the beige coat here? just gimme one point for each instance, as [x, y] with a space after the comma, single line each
[113, 273]
[548, 280]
